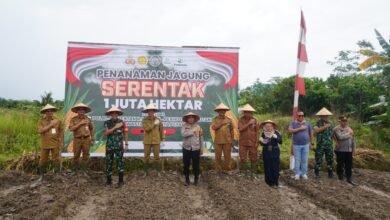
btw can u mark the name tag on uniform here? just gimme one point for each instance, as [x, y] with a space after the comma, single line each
[53, 131]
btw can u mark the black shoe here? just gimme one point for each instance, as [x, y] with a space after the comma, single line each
[317, 174]
[187, 181]
[330, 174]
[109, 181]
[340, 177]
[120, 182]
[196, 180]
[352, 183]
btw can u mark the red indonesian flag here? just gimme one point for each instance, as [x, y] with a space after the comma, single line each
[301, 64]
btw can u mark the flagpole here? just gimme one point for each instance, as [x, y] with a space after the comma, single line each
[299, 80]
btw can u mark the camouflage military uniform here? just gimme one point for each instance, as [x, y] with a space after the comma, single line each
[324, 146]
[114, 146]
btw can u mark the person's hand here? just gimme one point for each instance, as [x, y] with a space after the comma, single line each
[92, 141]
[53, 123]
[126, 146]
[303, 127]
[274, 136]
[311, 146]
[261, 139]
[252, 121]
[327, 125]
[156, 122]
[83, 122]
[162, 144]
[196, 132]
[119, 125]
[201, 151]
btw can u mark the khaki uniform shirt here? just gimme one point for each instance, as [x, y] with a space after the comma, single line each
[51, 138]
[248, 137]
[223, 135]
[153, 134]
[84, 130]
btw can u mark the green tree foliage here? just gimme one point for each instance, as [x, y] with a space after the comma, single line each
[46, 98]
[343, 94]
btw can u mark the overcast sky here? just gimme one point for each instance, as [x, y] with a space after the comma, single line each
[34, 34]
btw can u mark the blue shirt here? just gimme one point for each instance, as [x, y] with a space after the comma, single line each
[301, 137]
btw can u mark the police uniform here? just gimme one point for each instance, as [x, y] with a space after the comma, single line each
[192, 147]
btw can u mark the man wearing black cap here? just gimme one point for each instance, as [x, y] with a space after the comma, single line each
[345, 147]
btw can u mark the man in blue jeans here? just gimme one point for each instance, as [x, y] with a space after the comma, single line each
[302, 141]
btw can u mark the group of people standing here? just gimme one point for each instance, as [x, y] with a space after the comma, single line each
[251, 135]
[303, 140]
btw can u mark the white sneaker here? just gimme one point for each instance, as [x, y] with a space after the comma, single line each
[296, 177]
[304, 177]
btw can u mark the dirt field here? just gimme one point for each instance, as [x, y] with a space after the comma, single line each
[217, 197]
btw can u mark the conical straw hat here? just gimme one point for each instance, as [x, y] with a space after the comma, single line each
[247, 108]
[191, 114]
[47, 107]
[151, 106]
[324, 112]
[114, 109]
[80, 105]
[221, 107]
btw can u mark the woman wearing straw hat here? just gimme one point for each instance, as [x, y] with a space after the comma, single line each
[270, 139]
[192, 146]
[83, 134]
[249, 136]
[324, 134]
[52, 139]
[154, 137]
[223, 140]
[116, 132]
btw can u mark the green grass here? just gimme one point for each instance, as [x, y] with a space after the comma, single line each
[18, 132]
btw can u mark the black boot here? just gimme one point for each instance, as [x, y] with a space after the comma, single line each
[109, 181]
[146, 168]
[120, 182]
[187, 181]
[317, 174]
[41, 170]
[330, 174]
[196, 180]
[349, 180]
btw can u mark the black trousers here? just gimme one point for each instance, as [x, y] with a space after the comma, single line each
[189, 155]
[271, 161]
[344, 164]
